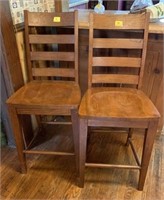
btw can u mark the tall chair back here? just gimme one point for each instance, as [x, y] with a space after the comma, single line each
[45, 55]
[118, 56]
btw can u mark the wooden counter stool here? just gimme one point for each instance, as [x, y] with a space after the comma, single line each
[52, 89]
[114, 97]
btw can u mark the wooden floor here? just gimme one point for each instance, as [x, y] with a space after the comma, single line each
[53, 177]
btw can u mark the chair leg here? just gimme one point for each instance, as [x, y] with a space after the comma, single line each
[147, 149]
[75, 127]
[15, 121]
[129, 136]
[83, 130]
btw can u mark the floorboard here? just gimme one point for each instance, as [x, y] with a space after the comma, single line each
[54, 177]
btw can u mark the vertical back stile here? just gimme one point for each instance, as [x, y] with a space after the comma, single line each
[76, 45]
[90, 50]
[144, 49]
[27, 45]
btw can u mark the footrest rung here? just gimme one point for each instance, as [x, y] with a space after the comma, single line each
[111, 166]
[48, 152]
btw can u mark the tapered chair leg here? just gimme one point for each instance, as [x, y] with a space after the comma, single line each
[83, 130]
[75, 128]
[15, 121]
[147, 149]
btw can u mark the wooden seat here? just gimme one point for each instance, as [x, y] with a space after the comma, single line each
[117, 50]
[111, 102]
[52, 89]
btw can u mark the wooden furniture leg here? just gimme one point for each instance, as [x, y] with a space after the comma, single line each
[18, 137]
[75, 129]
[147, 149]
[83, 131]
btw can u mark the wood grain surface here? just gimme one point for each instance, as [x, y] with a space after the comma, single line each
[54, 177]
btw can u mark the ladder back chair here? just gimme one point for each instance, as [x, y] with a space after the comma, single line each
[52, 88]
[117, 51]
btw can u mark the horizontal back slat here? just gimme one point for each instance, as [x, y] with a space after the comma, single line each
[125, 21]
[59, 72]
[60, 56]
[116, 61]
[54, 39]
[114, 78]
[50, 19]
[117, 43]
